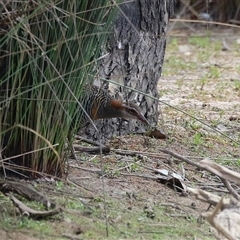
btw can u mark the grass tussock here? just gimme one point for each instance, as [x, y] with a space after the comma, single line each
[49, 49]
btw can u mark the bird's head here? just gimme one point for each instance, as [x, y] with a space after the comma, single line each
[129, 111]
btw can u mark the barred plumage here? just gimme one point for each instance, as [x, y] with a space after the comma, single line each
[99, 104]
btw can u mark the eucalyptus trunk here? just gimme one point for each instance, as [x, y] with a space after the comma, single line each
[135, 59]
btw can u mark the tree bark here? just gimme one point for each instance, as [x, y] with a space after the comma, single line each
[135, 58]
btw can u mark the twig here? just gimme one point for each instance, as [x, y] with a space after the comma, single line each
[173, 205]
[146, 167]
[93, 150]
[88, 141]
[204, 187]
[26, 191]
[99, 147]
[127, 166]
[180, 157]
[96, 170]
[136, 153]
[207, 197]
[224, 173]
[201, 21]
[71, 236]
[126, 152]
[31, 212]
[157, 232]
[81, 186]
[230, 189]
[139, 175]
[220, 171]
[210, 217]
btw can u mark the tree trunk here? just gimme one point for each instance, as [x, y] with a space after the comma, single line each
[135, 58]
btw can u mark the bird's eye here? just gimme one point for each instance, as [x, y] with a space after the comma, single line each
[132, 111]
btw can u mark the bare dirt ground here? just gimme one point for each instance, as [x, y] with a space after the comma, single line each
[200, 81]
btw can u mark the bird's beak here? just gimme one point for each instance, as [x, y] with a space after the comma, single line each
[142, 119]
[134, 111]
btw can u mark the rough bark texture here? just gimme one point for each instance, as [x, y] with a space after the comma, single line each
[136, 54]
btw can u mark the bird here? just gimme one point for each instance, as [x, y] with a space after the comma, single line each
[97, 103]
